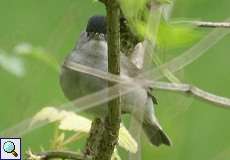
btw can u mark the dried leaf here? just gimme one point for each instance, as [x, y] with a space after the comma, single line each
[70, 121]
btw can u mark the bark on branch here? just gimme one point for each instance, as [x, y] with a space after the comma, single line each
[104, 132]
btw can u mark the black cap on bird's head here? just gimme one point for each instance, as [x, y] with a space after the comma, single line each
[96, 24]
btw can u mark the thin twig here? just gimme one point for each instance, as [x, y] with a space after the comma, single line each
[191, 89]
[73, 138]
[211, 24]
[101, 96]
[54, 154]
[113, 118]
[222, 101]
[205, 24]
[104, 133]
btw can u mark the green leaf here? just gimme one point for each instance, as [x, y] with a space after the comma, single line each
[38, 53]
[175, 36]
[70, 121]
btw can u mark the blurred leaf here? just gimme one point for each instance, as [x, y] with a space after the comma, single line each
[51, 114]
[174, 36]
[58, 142]
[126, 140]
[75, 137]
[151, 26]
[74, 122]
[27, 50]
[12, 64]
[129, 11]
[70, 121]
[166, 72]
[136, 18]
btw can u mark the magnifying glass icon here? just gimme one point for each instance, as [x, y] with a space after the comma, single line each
[9, 147]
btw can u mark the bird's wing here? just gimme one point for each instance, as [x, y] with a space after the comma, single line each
[137, 56]
[133, 65]
[128, 69]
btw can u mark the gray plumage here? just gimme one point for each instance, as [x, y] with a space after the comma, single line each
[91, 51]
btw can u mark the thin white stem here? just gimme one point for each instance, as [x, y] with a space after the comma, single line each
[205, 24]
[222, 101]
[93, 99]
[187, 88]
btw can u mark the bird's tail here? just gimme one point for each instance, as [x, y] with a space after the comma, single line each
[155, 134]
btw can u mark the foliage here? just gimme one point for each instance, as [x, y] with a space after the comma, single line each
[70, 121]
[153, 26]
[55, 28]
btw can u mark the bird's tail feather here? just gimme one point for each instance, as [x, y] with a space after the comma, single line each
[155, 134]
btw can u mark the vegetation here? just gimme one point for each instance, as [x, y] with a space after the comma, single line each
[29, 76]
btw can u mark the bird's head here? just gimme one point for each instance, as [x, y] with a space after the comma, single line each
[96, 27]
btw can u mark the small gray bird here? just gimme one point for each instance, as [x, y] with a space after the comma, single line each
[91, 51]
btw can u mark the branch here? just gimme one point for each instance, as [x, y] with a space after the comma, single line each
[205, 24]
[223, 101]
[94, 138]
[112, 121]
[187, 88]
[104, 134]
[54, 154]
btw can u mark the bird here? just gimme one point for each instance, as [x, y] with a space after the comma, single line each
[91, 50]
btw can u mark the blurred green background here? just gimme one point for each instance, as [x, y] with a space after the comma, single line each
[199, 130]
